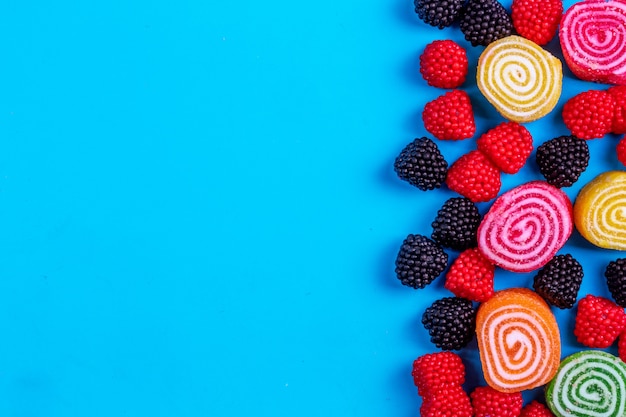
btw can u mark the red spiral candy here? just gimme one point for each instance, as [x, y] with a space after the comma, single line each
[593, 39]
[526, 227]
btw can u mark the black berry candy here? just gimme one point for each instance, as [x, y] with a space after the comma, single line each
[559, 280]
[420, 261]
[456, 224]
[561, 160]
[421, 164]
[485, 21]
[615, 274]
[439, 13]
[451, 322]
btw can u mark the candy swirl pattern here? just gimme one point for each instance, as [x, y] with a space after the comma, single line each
[526, 226]
[589, 383]
[593, 40]
[519, 78]
[600, 210]
[518, 340]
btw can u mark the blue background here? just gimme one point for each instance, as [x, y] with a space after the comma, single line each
[199, 214]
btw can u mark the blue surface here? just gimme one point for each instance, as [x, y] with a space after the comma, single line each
[199, 212]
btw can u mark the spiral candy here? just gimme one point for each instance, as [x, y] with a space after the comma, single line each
[593, 39]
[526, 226]
[589, 383]
[519, 78]
[600, 210]
[518, 340]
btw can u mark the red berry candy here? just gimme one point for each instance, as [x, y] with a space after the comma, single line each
[537, 20]
[619, 115]
[621, 346]
[450, 401]
[589, 115]
[474, 176]
[488, 402]
[471, 276]
[443, 64]
[450, 116]
[599, 321]
[536, 409]
[433, 371]
[507, 145]
[621, 150]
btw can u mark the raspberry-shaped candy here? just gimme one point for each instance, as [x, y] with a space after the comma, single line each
[536, 409]
[537, 20]
[456, 224]
[439, 13]
[559, 280]
[589, 115]
[443, 64]
[474, 176]
[561, 160]
[449, 401]
[485, 21]
[421, 164]
[450, 116]
[420, 261]
[433, 371]
[451, 322]
[598, 321]
[619, 115]
[488, 402]
[615, 274]
[621, 346]
[507, 145]
[471, 276]
[620, 149]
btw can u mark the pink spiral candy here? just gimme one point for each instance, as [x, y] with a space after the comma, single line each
[593, 39]
[526, 226]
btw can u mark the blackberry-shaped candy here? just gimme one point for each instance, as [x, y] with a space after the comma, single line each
[421, 164]
[451, 322]
[559, 280]
[420, 261]
[439, 13]
[485, 21]
[456, 224]
[561, 160]
[615, 274]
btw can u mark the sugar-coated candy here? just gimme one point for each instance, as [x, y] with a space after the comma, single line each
[593, 40]
[489, 402]
[526, 226]
[518, 340]
[590, 383]
[599, 210]
[519, 78]
[599, 321]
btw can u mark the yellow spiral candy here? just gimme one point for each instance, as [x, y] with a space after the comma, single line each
[519, 78]
[600, 210]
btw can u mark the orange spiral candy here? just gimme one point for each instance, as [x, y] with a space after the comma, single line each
[518, 340]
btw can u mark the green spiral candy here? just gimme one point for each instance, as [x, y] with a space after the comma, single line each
[588, 384]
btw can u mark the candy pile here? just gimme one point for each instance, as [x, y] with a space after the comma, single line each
[524, 228]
